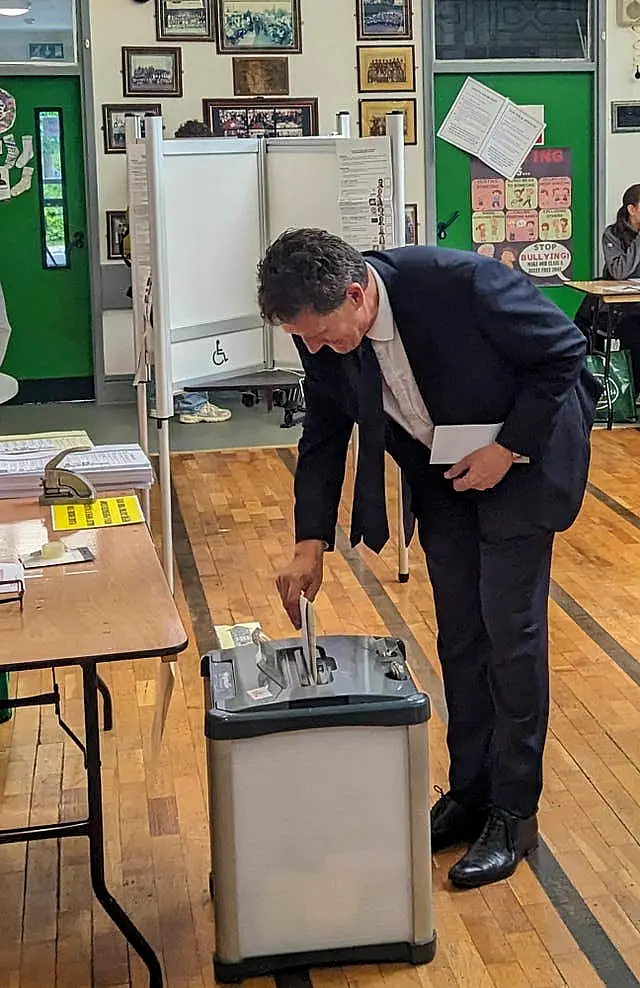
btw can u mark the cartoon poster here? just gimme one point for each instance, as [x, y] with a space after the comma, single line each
[526, 222]
[15, 175]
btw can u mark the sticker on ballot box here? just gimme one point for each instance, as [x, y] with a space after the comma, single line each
[106, 512]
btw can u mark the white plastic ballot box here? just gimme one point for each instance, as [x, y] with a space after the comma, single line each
[319, 806]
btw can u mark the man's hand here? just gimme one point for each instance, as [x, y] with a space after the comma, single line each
[302, 575]
[482, 469]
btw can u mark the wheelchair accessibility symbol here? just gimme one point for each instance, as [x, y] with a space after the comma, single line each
[219, 357]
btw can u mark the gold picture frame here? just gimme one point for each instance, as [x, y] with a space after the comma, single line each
[373, 112]
[383, 69]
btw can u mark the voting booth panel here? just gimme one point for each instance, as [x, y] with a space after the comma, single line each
[302, 191]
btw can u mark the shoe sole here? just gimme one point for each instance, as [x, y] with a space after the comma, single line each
[475, 884]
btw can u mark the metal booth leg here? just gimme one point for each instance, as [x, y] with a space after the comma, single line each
[113, 909]
[107, 705]
[607, 367]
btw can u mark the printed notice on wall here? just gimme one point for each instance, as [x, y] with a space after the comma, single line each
[365, 194]
[526, 222]
[491, 127]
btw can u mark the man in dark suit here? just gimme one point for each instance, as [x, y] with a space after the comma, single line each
[401, 341]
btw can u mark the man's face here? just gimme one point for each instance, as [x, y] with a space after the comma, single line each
[342, 330]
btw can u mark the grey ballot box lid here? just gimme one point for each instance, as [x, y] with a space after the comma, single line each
[252, 691]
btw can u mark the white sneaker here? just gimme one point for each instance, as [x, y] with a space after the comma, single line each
[208, 413]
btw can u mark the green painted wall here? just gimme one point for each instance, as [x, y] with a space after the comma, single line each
[49, 310]
[569, 109]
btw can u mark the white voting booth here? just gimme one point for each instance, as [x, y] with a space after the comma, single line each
[214, 206]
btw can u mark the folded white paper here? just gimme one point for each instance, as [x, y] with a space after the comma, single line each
[452, 443]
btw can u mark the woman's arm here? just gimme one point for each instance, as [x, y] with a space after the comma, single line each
[621, 263]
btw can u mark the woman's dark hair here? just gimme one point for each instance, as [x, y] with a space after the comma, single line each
[193, 128]
[625, 232]
[307, 270]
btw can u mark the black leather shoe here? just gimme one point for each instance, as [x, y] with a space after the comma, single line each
[452, 823]
[505, 840]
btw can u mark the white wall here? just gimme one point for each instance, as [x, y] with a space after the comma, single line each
[326, 69]
[623, 150]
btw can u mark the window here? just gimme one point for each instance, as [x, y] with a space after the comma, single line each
[512, 29]
[44, 34]
[53, 209]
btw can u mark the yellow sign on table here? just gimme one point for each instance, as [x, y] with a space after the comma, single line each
[106, 512]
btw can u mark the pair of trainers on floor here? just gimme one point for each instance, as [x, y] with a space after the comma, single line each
[498, 840]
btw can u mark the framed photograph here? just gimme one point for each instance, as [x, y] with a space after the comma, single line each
[262, 118]
[113, 122]
[116, 227]
[373, 114]
[47, 52]
[261, 76]
[386, 70]
[184, 20]
[258, 26]
[381, 20]
[410, 223]
[152, 72]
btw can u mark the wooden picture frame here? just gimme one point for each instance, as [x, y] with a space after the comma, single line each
[116, 220]
[262, 117]
[184, 20]
[113, 115]
[372, 114]
[386, 69]
[384, 20]
[248, 27]
[261, 76]
[139, 66]
[411, 224]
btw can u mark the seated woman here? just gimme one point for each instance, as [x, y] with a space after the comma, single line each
[621, 246]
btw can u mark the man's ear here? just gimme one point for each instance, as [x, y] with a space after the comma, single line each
[355, 294]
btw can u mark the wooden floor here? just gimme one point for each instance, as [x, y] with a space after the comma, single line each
[572, 917]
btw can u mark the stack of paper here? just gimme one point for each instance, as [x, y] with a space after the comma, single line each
[108, 468]
[43, 441]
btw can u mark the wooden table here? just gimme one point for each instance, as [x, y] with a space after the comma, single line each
[605, 294]
[117, 607]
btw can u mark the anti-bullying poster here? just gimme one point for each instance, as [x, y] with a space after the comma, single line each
[526, 222]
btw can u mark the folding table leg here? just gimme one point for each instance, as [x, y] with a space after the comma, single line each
[96, 830]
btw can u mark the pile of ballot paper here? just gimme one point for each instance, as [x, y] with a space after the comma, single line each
[107, 468]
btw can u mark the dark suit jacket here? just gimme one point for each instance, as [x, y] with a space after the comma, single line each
[485, 346]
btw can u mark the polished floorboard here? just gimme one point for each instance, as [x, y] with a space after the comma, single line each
[570, 916]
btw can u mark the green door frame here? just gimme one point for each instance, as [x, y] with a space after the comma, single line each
[597, 66]
[106, 392]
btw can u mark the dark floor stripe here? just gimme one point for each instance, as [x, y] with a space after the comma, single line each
[611, 502]
[203, 628]
[293, 979]
[590, 936]
[616, 652]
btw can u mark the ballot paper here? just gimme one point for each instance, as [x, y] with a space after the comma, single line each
[43, 442]
[451, 443]
[309, 638]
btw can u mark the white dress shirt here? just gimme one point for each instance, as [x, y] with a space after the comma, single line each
[5, 328]
[401, 398]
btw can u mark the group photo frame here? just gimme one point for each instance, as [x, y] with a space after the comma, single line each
[382, 20]
[114, 122]
[184, 20]
[152, 72]
[116, 228]
[262, 117]
[386, 69]
[373, 117]
[267, 27]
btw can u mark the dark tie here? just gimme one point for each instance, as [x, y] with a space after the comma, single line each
[369, 516]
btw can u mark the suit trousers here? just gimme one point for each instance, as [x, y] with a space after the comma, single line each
[490, 574]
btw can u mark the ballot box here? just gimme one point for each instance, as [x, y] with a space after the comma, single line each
[318, 801]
